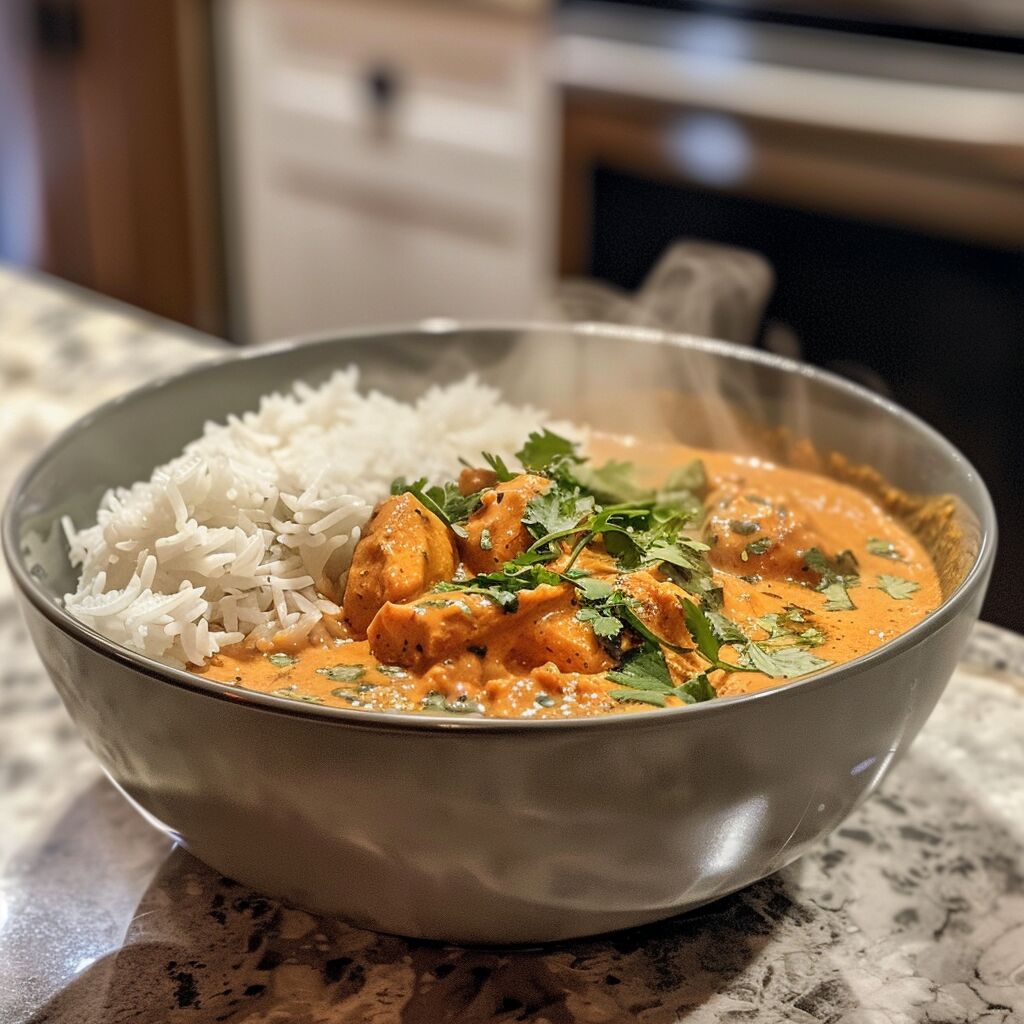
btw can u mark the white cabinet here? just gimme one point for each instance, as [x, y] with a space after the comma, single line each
[383, 162]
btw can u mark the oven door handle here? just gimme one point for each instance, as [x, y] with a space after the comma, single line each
[989, 120]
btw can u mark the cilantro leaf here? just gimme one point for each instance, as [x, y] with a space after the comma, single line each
[708, 644]
[837, 598]
[724, 628]
[696, 690]
[786, 663]
[546, 450]
[605, 626]
[503, 586]
[446, 501]
[744, 527]
[343, 673]
[837, 577]
[462, 705]
[783, 630]
[613, 482]
[644, 669]
[898, 588]
[594, 589]
[497, 463]
[656, 697]
[281, 660]
[689, 477]
[557, 510]
[884, 549]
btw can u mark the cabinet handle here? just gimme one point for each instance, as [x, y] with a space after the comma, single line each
[382, 86]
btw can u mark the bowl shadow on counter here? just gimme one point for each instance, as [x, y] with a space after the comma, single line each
[202, 948]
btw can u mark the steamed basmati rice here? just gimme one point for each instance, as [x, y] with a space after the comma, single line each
[231, 538]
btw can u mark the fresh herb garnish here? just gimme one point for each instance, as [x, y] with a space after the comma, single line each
[603, 602]
[896, 587]
[884, 549]
[547, 452]
[784, 629]
[462, 705]
[556, 512]
[646, 674]
[605, 626]
[696, 690]
[281, 660]
[704, 636]
[446, 501]
[784, 663]
[838, 576]
[294, 693]
[644, 669]
[760, 546]
[725, 630]
[504, 585]
[394, 671]
[343, 673]
[744, 527]
[837, 597]
[497, 464]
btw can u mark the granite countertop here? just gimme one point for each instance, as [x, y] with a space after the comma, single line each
[912, 912]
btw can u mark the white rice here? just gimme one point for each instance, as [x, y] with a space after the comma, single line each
[232, 538]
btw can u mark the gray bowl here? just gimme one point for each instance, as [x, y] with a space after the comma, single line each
[491, 831]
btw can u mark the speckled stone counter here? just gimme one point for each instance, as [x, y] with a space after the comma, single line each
[912, 911]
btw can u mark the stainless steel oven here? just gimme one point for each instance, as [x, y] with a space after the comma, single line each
[881, 174]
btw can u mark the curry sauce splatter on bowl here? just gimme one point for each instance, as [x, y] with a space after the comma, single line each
[568, 586]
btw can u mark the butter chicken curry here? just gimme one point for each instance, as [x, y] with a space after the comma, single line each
[566, 589]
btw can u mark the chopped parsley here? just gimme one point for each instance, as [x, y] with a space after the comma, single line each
[761, 546]
[898, 588]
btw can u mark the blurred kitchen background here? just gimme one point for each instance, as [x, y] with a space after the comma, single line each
[263, 168]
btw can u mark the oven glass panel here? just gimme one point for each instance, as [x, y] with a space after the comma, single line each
[939, 323]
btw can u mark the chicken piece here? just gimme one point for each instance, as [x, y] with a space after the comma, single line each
[557, 638]
[495, 532]
[405, 550]
[658, 605]
[752, 535]
[543, 630]
[473, 479]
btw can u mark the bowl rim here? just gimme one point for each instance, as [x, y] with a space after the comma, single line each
[418, 721]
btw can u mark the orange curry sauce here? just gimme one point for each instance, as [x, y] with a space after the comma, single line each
[401, 645]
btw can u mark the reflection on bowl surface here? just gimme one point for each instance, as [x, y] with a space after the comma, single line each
[511, 831]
